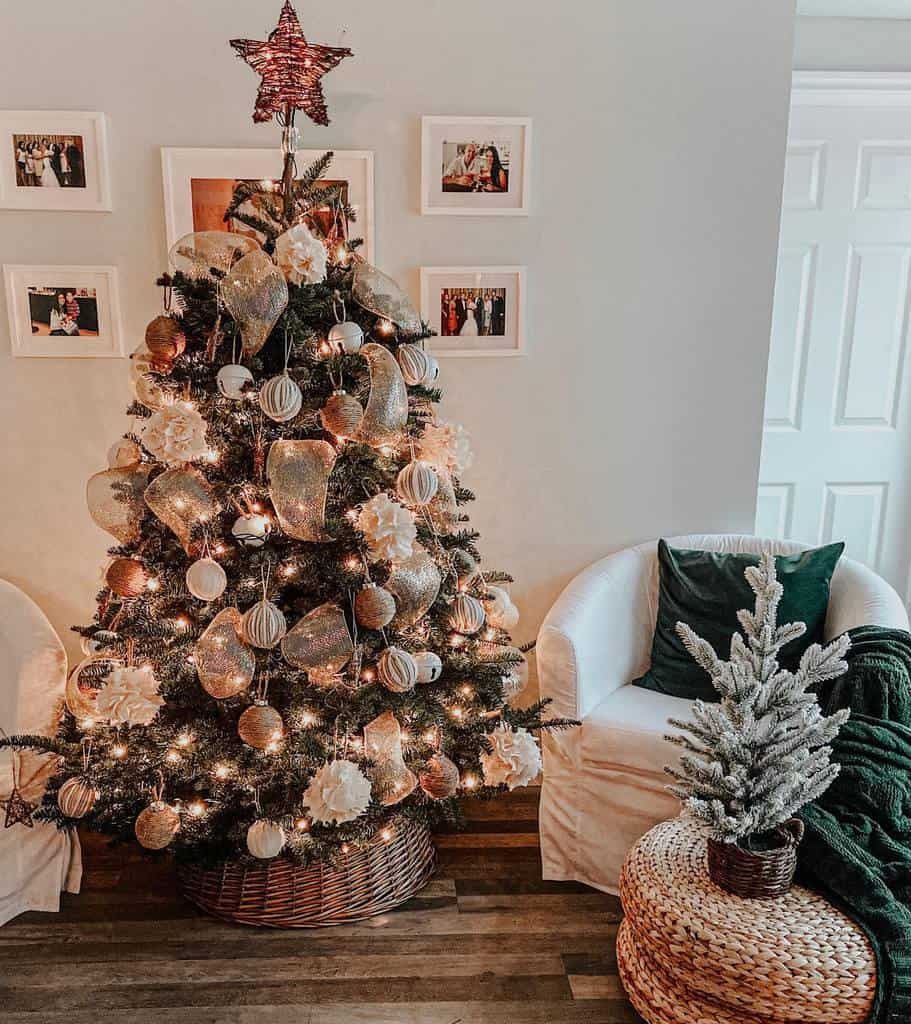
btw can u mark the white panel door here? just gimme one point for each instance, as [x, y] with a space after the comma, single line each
[836, 456]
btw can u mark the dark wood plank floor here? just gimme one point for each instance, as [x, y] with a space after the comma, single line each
[487, 942]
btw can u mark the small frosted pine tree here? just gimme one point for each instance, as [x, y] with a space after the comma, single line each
[754, 759]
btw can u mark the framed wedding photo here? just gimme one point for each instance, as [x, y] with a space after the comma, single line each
[199, 183]
[63, 312]
[475, 311]
[54, 160]
[474, 166]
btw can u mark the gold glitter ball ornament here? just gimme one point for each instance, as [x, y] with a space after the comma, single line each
[397, 670]
[440, 779]
[260, 726]
[374, 607]
[156, 826]
[341, 415]
[76, 797]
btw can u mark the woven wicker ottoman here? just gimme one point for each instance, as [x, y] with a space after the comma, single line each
[690, 953]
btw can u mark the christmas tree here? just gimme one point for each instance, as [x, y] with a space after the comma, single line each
[295, 647]
[754, 759]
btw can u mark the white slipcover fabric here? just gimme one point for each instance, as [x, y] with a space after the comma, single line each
[36, 863]
[604, 783]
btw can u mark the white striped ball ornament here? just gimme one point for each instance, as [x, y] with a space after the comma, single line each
[263, 625]
[206, 580]
[430, 668]
[467, 615]
[374, 607]
[417, 366]
[397, 670]
[265, 839]
[417, 483]
[280, 398]
[346, 337]
[76, 797]
[231, 380]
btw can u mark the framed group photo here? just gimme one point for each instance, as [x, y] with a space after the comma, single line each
[54, 160]
[475, 311]
[59, 312]
[473, 166]
[199, 183]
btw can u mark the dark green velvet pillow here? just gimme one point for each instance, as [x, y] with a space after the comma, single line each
[706, 589]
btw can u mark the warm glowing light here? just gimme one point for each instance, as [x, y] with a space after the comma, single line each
[219, 549]
[152, 583]
[430, 736]
[456, 640]
[466, 690]
[172, 756]
[222, 771]
[86, 723]
[406, 736]
[386, 834]
[490, 634]
[457, 713]
[181, 622]
[119, 751]
[302, 825]
[308, 718]
[469, 781]
[356, 743]
[325, 349]
[368, 675]
[289, 570]
[184, 739]
[344, 847]
[341, 254]
[256, 508]
[197, 808]
[351, 515]
[179, 503]
[211, 456]
[273, 746]
[387, 450]
[386, 327]
[352, 563]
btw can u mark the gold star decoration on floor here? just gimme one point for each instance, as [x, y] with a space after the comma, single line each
[18, 810]
[291, 69]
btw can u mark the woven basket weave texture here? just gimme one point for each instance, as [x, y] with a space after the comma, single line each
[689, 951]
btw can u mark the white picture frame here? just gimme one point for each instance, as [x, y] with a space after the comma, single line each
[31, 293]
[86, 131]
[486, 282]
[443, 139]
[181, 167]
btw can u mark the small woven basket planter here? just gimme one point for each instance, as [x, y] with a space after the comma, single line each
[281, 894]
[761, 874]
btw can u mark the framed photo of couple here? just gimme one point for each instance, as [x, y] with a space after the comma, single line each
[199, 183]
[475, 166]
[59, 312]
[54, 160]
[475, 311]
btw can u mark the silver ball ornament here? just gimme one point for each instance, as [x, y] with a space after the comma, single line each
[251, 530]
[430, 667]
[206, 580]
[231, 380]
[346, 337]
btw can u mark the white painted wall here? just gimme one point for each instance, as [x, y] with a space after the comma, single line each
[853, 44]
[659, 141]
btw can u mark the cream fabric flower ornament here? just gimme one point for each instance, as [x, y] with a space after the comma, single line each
[388, 527]
[301, 256]
[514, 760]
[175, 435]
[446, 446]
[129, 696]
[338, 792]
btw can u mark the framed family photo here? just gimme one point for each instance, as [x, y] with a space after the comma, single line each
[54, 160]
[63, 312]
[199, 183]
[475, 165]
[475, 311]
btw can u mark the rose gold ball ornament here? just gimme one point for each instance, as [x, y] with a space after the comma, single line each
[440, 779]
[76, 797]
[467, 614]
[374, 607]
[165, 340]
[251, 530]
[345, 338]
[232, 379]
[341, 415]
[206, 580]
[263, 625]
[156, 826]
[260, 725]
[417, 483]
[397, 670]
[126, 577]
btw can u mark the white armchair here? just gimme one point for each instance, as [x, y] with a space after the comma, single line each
[37, 863]
[604, 783]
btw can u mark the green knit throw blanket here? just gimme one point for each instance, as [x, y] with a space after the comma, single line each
[857, 847]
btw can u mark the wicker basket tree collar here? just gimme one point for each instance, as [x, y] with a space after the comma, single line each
[752, 761]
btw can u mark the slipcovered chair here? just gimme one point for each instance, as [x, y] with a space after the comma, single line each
[36, 863]
[604, 784]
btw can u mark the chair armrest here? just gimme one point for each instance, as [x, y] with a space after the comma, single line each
[597, 637]
[861, 598]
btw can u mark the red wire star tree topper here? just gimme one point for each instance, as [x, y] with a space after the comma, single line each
[291, 70]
